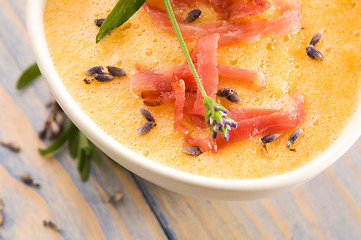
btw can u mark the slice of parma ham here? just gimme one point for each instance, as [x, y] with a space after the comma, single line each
[258, 123]
[226, 9]
[180, 97]
[207, 70]
[244, 31]
[161, 79]
[176, 84]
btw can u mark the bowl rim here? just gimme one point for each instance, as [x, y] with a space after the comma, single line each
[138, 163]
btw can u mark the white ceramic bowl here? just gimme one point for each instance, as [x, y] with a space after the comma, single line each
[174, 180]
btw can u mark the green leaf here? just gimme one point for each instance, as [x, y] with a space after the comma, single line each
[123, 10]
[67, 134]
[84, 156]
[74, 145]
[96, 156]
[84, 164]
[29, 75]
[84, 173]
[83, 141]
[81, 159]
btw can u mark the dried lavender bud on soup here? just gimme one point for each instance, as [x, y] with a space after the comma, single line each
[145, 128]
[147, 115]
[270, 138]
[193, 15]
[94, 70]
[294, 136]
[192, 150]
[314, 53]
[234, 98]
[316, 39]
[103, 77]
[230, 94]
[224, 92]
[116, 72]
[99, 21]
[152, 104]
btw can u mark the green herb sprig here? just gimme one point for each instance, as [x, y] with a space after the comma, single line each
[79, 146]
[216, 115]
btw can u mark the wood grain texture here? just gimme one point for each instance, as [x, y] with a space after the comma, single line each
[328, 207]
[80, 209]
[77, 205]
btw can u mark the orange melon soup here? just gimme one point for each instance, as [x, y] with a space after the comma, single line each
[317, 96]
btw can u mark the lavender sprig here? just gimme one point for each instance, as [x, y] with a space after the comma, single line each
[218, 119]
[216, 115]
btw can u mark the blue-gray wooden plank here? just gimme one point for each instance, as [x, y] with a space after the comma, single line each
[23, 114]
[328, 207]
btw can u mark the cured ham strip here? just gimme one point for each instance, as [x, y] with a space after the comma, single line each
[161, 79]
[207, 69]
[153, 80]
[252, 78]
[254, 123]
[239, 114]
[185, 73]
[248, 31]
[260, 126]
[180, 97]
[245, 8]
[226, 9]
[177, 84]
[206, 145]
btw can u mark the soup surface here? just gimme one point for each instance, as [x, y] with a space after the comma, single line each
[331, 88]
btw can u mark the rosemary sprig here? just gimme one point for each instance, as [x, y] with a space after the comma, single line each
[216, 115]
[79, 146]
[57, 143]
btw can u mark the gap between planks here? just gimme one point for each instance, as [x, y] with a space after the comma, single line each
[166, 230]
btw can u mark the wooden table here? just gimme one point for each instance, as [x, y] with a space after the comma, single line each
[326, 208]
